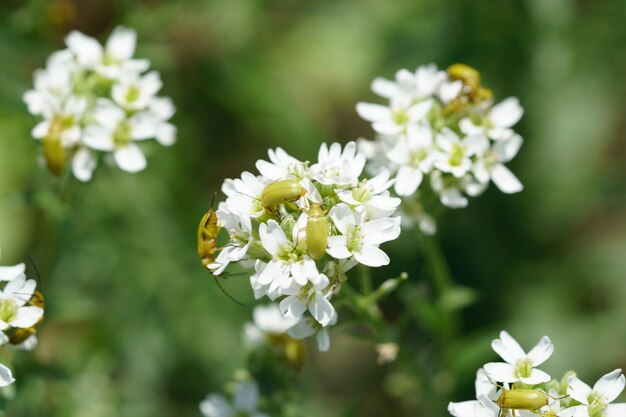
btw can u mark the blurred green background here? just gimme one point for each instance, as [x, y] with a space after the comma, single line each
[135, 327]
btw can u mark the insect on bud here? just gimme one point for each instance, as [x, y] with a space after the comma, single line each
[316, 232]
[281, 192]
[465, 73]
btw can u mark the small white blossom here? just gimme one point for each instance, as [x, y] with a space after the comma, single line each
[519, 365]
[6, 377]
[268, 321]
[484, 405]
[596, 401]
[490, 165]
[244, 403]
[394, 119]
[308, 327]
[498, 121]
[360, 238]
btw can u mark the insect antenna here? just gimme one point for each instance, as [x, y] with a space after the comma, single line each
[37, 274]
[219, 285]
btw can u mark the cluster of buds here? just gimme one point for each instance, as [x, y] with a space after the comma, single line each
[21, 312]
[302, 227]
[442, 126]
[516, 387]
[95, 100]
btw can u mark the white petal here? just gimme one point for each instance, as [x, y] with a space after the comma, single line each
[373, 112]
[578, 411]
[578, 390]
[246, 396]
[87, 50]
[371, 256]
[384, 87]
[292, 306]
[121, 43]
[541, 352]
[322, 310]
[464, 409]
[83, 165]
[537, 376]
[407, 180]
[6, 377]
[508, 148]
[611, 385]
[8, 273]
[501, 372]
[506, 113]
[130, 158]
[26, 316]
[302, 330]
[505, 180]
[508, 348]
[323, 340]
[616, 410]
[215, 406]
[99, 138]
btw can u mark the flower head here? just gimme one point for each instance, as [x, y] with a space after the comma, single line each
[596, 401]
[519, 365]
[442, 125]
[96, 99]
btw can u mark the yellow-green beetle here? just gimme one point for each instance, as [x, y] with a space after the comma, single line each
[208, 229]
[521, 399]
[54, 153]
[316, 231]
[281, 192]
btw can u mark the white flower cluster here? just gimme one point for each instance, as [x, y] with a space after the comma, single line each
[244, 402]
[96, 98]
[537, 393]
[302, 227]
[442, 125]
[19, 313]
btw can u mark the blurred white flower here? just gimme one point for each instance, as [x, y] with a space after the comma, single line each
[497, 122]
[6, 377]
[244, 403]
[519, 365]
[308, 327]
[77, 127]
[484, 405]
[268, 321]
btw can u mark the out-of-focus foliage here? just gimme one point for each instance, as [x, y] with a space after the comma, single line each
[135, 327]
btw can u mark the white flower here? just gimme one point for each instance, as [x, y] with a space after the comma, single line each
[490, 165]
[449, 190]
[282, 166]
[596, 401]
[418, 86]
[335, 167]
[117, 133]
[393, 119]
[134, 92]
[415, 156]
[449, 90]
[83, 164]
[484, 405]
[14, 296]
[288, 264]
[240, 232]
[360, 238]
[6, 377]
[163, 109]
[268, 320]
[63, 121]
[498, 121]
[519, 365]
[112, 60]
[455, 155]
[245, 402]
[313, 297]
[308, 327]
[372, 194]
[244, 194]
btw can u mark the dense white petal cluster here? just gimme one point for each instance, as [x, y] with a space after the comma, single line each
[19, 316]
[442, 128]
[538, 393]
[98, 99]
[302, 226]
[244, 402]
